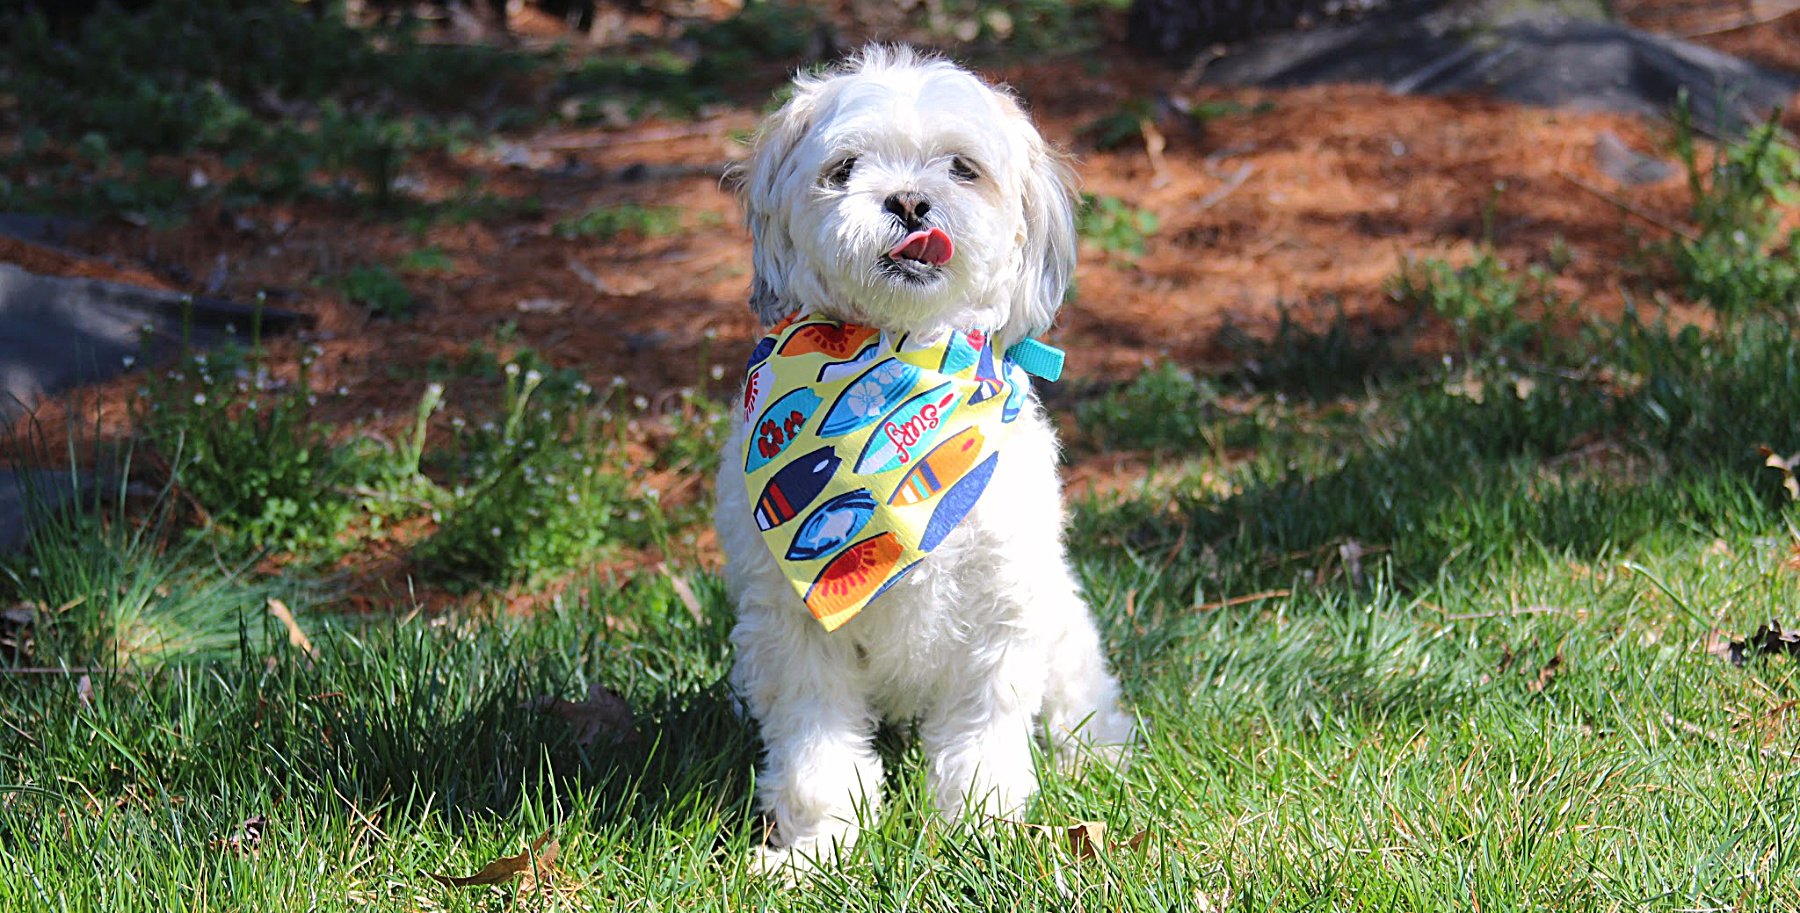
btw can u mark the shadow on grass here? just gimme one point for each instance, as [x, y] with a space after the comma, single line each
[452, 721]
[1658, 434]
[417, 718]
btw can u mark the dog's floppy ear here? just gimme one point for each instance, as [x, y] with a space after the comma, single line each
[760, 182]
[1048, 246]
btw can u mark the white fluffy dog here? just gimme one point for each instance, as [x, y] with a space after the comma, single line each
[989, 634]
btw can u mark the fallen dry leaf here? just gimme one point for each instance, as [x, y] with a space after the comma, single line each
[1546, 674]
[1214, 902]
[1086, 839]
[1154, 144]
[295, 635]
[1721, 645]
[1769, 639]
[603, 713]
[686, 594]
[534, 866]
[247, 839]
[1786, 466]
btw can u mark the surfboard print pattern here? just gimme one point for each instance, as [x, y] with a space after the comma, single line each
[865, 451]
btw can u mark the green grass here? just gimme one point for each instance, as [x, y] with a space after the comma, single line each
[1471, 673]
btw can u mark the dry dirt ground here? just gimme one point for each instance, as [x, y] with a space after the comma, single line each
[1305, 199]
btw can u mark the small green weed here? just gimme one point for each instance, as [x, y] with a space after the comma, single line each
[1737, 262]
[1166, 408]
[540, 486]
[1492, 309]
[242, 445]
[378, 290]
[614, 219]
[426, 260]
[1123, 126]
[1114, 226]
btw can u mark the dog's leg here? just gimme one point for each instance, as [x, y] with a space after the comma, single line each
[820, 770]
[1081, 719]
[977, 736]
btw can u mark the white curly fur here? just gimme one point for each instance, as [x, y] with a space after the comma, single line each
[989, 635]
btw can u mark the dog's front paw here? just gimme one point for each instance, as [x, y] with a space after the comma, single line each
[795, 862]
[776, 864]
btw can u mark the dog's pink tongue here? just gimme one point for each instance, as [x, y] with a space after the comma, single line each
[929, 246]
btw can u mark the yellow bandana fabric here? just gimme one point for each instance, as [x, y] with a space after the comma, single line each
[865, 451]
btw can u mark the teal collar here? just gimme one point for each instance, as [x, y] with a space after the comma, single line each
[1037, 358]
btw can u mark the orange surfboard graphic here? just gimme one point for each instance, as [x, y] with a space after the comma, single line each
[852, 577]
[940, 469]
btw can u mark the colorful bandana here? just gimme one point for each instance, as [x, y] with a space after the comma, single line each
[864, 452]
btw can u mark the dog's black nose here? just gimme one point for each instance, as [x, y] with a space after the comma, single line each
[909, 207]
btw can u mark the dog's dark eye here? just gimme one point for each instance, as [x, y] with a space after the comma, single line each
[840, 175]
[962, 169]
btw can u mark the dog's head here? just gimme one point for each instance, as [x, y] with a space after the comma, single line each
[900, 191]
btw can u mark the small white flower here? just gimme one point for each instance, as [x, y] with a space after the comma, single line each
[640, 402]
[718, 372]
[199, 399]
[312, 400]
[494, 531]
[128, 361]
[343, 391]
[534, 376]
[618, 381]
[512, 369]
